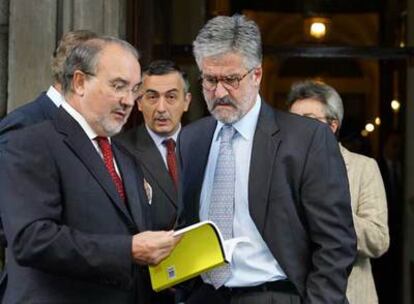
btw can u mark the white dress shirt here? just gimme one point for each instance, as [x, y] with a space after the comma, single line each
[55, 96]
[252, 262]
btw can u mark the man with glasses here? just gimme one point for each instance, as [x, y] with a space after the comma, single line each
[369, 204]
[44, 107]
[272, 181]
[73, 202]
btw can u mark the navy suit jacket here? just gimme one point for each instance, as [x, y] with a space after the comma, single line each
[38, 110]
[298, 198]
[164, 195]
[69, 232]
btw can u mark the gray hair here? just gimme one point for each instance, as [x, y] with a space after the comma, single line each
[328, 96]
[65, 47]
[85, 58]
[235, 34]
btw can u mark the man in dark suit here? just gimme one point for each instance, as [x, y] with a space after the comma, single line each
[165, 97]
[44, 107]
[73, 205]
[273, 181]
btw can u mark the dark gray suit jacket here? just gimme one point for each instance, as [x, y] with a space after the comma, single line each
[164, 195]
[69, 232]
[298, 198]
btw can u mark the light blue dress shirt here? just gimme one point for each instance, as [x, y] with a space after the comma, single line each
[252, 262]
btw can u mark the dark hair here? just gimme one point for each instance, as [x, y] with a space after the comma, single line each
[164, 67]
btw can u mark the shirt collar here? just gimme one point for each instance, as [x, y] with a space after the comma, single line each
[80, 119]
[55, 96]
[158, 139]
[246, 126]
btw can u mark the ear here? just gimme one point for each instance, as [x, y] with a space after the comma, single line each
[139, 101]
[78, 83]
[334, 125]
[187, 101]
[257, 75]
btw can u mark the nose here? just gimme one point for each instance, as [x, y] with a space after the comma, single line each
[160, 107]
[220, 91]
[128, 98]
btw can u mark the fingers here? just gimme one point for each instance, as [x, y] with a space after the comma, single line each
[151, 247]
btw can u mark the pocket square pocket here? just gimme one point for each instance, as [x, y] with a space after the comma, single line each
[148, 191]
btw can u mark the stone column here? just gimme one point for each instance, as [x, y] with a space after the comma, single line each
[35, 28]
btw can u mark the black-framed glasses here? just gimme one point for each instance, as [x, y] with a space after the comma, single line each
[231, 82]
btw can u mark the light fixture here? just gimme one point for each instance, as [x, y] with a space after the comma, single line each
[377, 121]
[316, 28]
[364, 133]
[395, 105]
[369, 127]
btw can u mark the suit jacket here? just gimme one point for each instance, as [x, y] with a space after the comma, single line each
[369, 208]
[164, 195]
[69, 232]
[298, 198]
[38, 110]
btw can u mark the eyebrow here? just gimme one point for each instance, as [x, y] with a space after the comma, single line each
[155, 91]
[119, 79]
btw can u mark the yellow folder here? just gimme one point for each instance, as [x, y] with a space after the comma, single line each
[200, 249]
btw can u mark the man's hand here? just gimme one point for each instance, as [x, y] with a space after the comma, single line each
[151, 247]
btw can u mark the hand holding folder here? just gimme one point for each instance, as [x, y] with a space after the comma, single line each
[201, 248]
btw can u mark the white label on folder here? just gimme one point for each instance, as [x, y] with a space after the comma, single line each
[171, 272]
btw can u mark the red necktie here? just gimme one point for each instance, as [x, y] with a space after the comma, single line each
[108, 157]
[171, 160]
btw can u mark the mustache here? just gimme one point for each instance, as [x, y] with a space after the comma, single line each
[162, 116]
[224, 101]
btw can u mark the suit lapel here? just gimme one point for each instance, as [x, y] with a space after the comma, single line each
[196, 158]
[154, 163]
[132, 183]
[79, 143]
[265, 145]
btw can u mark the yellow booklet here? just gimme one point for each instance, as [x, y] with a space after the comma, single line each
[200, 249]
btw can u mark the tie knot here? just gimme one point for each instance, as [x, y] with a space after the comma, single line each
[227, 133]
[170, 144]
[103, 142]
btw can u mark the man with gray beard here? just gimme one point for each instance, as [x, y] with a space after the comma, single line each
[274, 180]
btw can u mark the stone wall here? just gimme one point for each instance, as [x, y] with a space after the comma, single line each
[36, 27]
